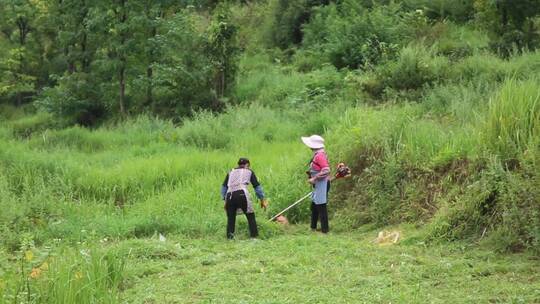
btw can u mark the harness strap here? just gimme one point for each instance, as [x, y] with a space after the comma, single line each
[313, 158]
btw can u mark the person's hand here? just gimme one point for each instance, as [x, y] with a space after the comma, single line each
[264, 204]
[312, 180]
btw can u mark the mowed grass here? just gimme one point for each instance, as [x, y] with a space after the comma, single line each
[305, 267]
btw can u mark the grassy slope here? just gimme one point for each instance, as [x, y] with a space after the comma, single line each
[196, 265]
[285, 267]
[339, 268]
[143, 177]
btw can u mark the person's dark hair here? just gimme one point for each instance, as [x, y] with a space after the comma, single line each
[243, 161]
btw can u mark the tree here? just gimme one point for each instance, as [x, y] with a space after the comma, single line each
[223, 48]
[151, 18]
[88, 60]
[289, 18]
[14, 81]
[183, 74]
[114, 27]
[74, 92]
[511, 22]
[19, 20]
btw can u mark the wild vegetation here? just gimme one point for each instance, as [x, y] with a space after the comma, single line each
[119, 121]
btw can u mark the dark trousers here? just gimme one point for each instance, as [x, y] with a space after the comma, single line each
[234, 201]
[319, 212]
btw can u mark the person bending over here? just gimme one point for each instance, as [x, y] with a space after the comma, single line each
[235, 195]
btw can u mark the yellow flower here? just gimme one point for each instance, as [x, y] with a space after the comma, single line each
[29, 255]
[78, 275]
[44, 266]
[36, 272]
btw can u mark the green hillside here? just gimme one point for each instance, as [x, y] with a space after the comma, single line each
[118, 128]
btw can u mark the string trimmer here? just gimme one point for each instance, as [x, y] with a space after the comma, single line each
[342, 172]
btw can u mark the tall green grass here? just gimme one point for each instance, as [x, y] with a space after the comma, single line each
[146, 176]
[84, 275]
[513, 120]
[282, 86]
[469, 175]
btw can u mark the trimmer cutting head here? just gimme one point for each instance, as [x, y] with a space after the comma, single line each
[342, 171]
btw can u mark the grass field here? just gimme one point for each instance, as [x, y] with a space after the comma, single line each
[302, 267]
[92, 206]
[120, 119]
[83, 209]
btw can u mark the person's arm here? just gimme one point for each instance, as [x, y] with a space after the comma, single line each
[224, 187]
[258, 188]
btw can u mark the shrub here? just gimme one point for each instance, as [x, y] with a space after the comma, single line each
[464, 102]
[265, 83]
[307, 60]
[9, 112]
[461, 11]
[516, 222]
[283, 87]
[498, 206]
[511, 23]
[184, 76]
[205, 131]
[349, 35]
[76, 98]
[483, 67]
[458, 41]
[415, 68]
[288, 18]
[26, 126]
[525, 65]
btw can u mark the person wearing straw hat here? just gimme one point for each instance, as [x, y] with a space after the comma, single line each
[235, 195]
[318, 173]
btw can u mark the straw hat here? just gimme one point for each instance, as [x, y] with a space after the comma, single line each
[314, 141]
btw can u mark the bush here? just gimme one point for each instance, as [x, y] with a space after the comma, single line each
[237, 126]
[460, 11]
[76, 98]
[349, 35]
[499, 207]
[456, 41]
[254, 25]
[415, 68]
[307, 60]
[525, 65]
[484, 67]
[9, 112]
[289, 16]
[26, 126]
[516, 223]
[513, 24]
[283, 87]
[463, 101]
